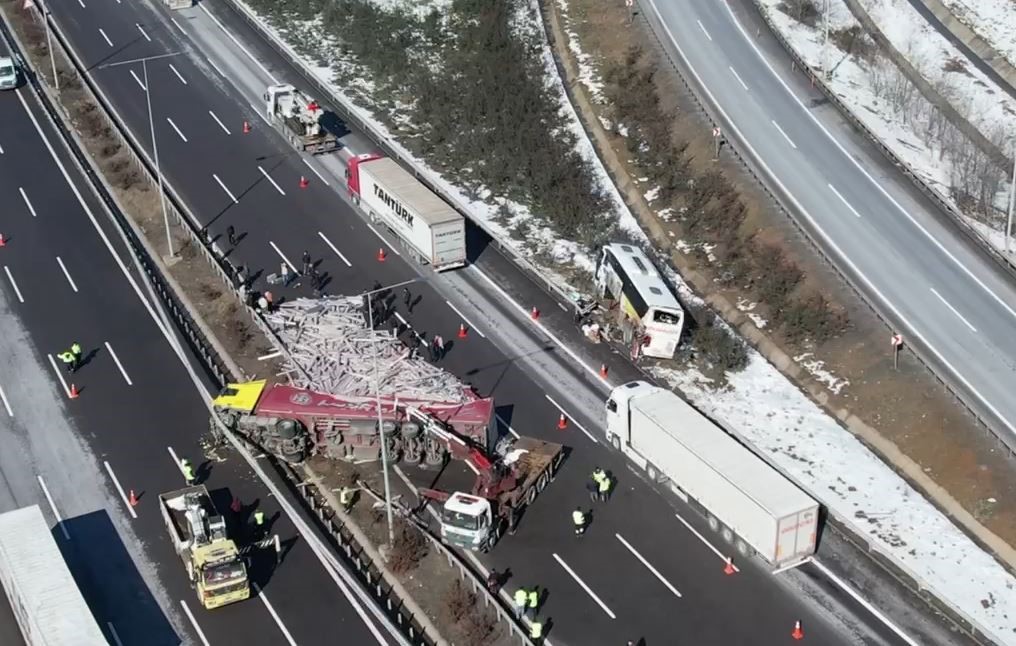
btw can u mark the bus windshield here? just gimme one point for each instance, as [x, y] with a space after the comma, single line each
[667, 317]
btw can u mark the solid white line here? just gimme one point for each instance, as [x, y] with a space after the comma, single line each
[571, 419]
[106, 37]
[270, 355]
[789, 141]
[843, 199]
[315, 171]
[703, 28]
[275, 616]
[284, 258]
[704, 540]
[59, 375]
[7, 404]
[269, 178]
[141, 30]
[230, 194]
[67, 274]
[178, 74]
[112, 631]
[469, 324]
[24, 196]
[118, 364]
[178, 26]
[737, 76]
[176, 460]
[194, 623]
[954, 310]
[401, 320]
[390, 248]
[177, 129]
[238, 43]
[507, 425]
[584, 586]
[221, 125]
[865, 603]
[215, 67]
[338, 253]
[646, 563]
[138, 79]
[14, 284]
[123, 496]
[52, 505]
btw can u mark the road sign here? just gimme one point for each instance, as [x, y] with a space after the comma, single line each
[28, 4]
[716, 132]
[897, 340]
[629, 3]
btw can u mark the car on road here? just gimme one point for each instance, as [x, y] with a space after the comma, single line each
[9, 76]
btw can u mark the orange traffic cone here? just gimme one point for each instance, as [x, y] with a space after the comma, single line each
[73, 394]
[3, 243]
[729, 567]
[797, 633]
[132, 500]
[381, 254]
[303, 182]
[562, 422]
[535, 314]
[246, 127]
[462, 330]
[603, 370]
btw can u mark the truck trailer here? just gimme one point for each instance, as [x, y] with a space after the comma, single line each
[433, 231]
[46, 601]
[748, 502]
[298, 118]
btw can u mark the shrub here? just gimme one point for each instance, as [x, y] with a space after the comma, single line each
[803, 11]
[461, 608]
[717, 345]
[776, 278]
[407, 549]
[854, 40]
[813, 317]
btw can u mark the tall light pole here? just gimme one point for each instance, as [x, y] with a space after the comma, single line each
[826, 70]
[49, 43]
[155, 147]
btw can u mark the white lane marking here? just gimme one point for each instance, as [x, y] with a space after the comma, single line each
[7, 404]
[112, 629]
[178, 25]
[584, 586]
[176, 459]
[864, 171]
[703, 28]
[738, 77]
[469, 324]
[67, 274]
[647, 564]
[177, 129]
[828, 240]
[271, 611]
[705, 541]
[571, 419]
[119, 365]
[843, 199]
[338, 253]
[228, 192]
[507, 425]
[284, 258]
[123, 496]
[108, 41]
[24, 196]
[269, 178]
[218, 121]
[1, 150]
[52, 506]
[194, 623]
[59, 375]
[178, 74]
[865, 603]
[138, 79]
[141, 29]
[14, 284]
[214, 66]
[315, 171]
[378, 234]
[789, 140]
[201, 6]
[604, 384]
[82, 3]
[954, 310]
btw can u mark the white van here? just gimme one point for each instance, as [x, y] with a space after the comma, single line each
[8, 73]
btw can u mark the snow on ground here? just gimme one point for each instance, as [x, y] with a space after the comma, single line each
[587, 70]
[799, 437]
[992, 20]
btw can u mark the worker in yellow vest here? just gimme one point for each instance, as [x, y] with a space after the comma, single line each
[188, 471]
[521, 597]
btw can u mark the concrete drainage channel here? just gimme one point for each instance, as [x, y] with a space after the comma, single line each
[359, 559]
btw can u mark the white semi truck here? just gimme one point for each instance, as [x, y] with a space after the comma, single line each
[45, 599]
[433, 231]
[749, 503]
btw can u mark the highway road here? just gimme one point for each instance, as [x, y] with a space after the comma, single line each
[946, 296]
[664, 575]
[66, 277]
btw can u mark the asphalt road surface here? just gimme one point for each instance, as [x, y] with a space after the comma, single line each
[946, 295]
[640, 572]
[64, 280]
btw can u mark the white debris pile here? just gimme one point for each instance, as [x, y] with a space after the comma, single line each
[331, 349]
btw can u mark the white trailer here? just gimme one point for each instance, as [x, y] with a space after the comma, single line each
[45, 599]
[179, 4]
[426, 224]
[748, 502]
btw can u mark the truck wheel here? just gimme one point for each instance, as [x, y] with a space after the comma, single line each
[530, 495]
[652, 472]
[743, 548]
[615, 441]
[541, 484]
[727, 535]
[713, 523]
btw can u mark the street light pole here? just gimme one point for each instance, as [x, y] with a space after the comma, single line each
[1012, 199]
[49, 44]
[827, 72]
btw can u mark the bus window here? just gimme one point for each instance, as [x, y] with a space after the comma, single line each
[665, 317]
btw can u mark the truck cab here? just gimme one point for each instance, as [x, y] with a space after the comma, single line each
[619, 412]
[8, 73]
[221, 576]
[468, 522]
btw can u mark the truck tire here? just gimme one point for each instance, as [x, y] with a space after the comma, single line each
[743, 548]
[615, 441]
[493, 538]
[530, 495]
[541, 483]
[714, 524]
[651, 472]
[287, 429]
[727, 534]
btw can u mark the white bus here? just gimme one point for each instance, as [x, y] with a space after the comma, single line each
[626, 275]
